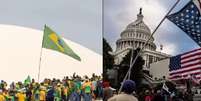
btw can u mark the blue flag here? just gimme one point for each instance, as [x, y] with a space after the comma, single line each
[188, 19]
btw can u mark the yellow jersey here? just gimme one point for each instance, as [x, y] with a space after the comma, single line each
[21, 97]
[42, 95]
[2, 98]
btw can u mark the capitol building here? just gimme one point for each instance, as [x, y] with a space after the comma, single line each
[135, 36]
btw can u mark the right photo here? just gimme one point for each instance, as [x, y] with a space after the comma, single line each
[151, 50]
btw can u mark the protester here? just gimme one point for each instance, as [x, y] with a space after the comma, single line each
[2, 98]
[67, 89]
[87, 90]
[158, 96]
[148, 96]
[107, 91]
[127, 92]
[21, 96]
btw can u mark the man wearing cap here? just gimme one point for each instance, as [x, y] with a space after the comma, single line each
[127, 91]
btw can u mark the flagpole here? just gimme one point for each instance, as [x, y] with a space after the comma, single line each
[41, 51]
[138, 54]
[131, 59]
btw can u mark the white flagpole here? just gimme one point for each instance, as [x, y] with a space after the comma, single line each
[41, 51]
[138, 54]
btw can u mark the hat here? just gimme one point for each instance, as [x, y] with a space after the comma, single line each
[128, 86]
[106, 84]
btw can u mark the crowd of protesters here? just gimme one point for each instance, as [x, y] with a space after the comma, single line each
[128, 94]
[72, 88]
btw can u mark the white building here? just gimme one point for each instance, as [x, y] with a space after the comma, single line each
[135, 36]
[160, 69]
[20, 54]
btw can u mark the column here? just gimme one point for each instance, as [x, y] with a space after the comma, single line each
[146, 61]
[124, 44]
[118, 46]
[121, 45]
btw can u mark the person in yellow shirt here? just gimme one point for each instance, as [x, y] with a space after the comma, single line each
[42, 94]
[21, 96]
[2, 98]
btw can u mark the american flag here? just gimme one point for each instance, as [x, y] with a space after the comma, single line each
[188, 19]
[186, 65]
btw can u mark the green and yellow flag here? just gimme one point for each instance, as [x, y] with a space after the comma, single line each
[27, 80]
[53, 41]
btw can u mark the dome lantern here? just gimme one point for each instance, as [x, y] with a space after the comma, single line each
[140, 16]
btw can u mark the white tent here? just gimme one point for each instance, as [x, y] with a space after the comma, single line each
[20, 53]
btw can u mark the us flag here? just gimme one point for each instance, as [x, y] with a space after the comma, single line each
[186, 66]
[188, 19]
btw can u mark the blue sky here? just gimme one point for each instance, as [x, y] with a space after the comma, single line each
[77, 20]
[119, 13]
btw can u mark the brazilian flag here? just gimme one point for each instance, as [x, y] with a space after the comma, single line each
[27, 80]
[53, 41]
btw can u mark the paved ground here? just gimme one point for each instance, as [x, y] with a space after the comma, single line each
[197, 98]
[93, 100]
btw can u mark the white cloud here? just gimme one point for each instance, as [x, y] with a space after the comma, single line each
[169, 48]
[174, 40]
[153, 11]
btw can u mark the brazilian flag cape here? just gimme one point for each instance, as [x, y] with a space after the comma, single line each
[51, 40]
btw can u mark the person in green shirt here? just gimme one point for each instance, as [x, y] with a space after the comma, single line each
[87, 88]
[36, 92]
[57, 93]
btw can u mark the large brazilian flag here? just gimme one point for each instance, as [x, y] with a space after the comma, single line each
[53, 41]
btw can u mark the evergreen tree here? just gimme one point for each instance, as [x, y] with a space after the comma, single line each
[136, 71]
[108, 59]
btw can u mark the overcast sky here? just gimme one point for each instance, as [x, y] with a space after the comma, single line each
[21, 53]
[119, 13]
[76, 20]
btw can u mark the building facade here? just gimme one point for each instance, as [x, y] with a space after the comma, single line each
[135, 36]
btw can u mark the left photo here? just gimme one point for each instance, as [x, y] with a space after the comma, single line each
[51, 50]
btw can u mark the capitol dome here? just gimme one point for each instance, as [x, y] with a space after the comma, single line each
[135, 35]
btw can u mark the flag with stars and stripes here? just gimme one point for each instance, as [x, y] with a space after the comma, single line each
[186, 66]
[189, 20]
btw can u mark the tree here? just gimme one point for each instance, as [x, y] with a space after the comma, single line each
[108, 59]
[136, 71]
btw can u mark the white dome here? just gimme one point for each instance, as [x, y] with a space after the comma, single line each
[20, 54]
[135, 35]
